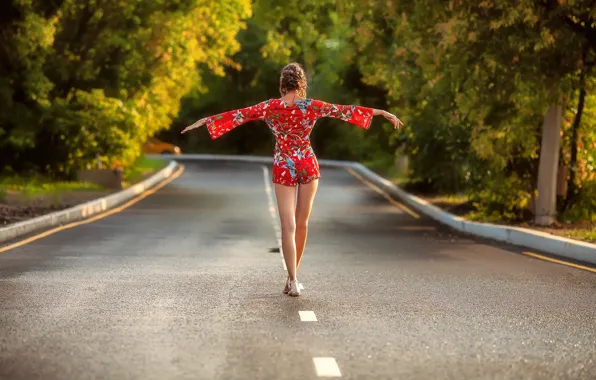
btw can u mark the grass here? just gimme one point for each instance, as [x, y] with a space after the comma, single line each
[141, 168]
[588, 235]
[32, 187]
[449, 199]
[580, 231]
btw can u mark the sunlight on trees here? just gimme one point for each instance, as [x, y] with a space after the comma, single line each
[472, 80]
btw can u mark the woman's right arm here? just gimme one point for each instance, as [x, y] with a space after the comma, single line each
[389, 116]
[220, 124]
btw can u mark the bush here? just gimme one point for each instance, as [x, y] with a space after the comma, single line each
[502, 198]
[584, 207]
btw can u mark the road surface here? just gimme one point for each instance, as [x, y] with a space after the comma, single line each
[186, 284]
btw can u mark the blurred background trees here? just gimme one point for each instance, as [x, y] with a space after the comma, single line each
[81, 78]
[472, 80]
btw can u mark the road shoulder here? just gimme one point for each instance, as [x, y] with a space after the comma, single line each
[88, 209]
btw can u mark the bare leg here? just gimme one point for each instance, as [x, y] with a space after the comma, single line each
[286, 199]
[306, 196]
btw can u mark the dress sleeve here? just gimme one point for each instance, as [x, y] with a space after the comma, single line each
[357, 115]
[220, 124]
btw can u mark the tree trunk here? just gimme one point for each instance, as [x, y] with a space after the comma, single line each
[571, 187]
[549, 162]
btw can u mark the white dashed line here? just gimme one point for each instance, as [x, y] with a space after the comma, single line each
[273, 212]
[326, 367]
[307, 316]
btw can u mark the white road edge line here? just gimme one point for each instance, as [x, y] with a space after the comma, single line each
[307, 316]
[326, 367]
[273, 212]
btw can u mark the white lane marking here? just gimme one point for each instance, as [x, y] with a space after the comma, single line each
[326, 367]
[273, 212]
[307, 316]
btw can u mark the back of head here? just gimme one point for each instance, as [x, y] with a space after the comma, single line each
[293, 79]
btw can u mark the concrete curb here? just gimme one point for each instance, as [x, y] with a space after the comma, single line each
[264, 160]
[535, 240]
[84, 210]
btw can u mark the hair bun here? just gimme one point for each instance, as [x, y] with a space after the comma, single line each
[292, 79]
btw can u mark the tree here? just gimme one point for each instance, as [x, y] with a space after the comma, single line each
[99, 77]
[490, 69]
[314, 33]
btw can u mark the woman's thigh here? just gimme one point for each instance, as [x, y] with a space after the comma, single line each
[286, 201]
[306, 197]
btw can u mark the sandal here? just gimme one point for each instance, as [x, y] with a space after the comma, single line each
[287, 287]
[294, 288]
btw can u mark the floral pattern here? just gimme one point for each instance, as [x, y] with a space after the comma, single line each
[294, 160]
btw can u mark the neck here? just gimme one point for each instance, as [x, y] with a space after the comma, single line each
[292, 95]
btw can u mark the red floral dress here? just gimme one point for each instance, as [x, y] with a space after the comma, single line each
[294, 161]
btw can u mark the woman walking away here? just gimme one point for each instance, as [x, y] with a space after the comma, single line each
[295, 167]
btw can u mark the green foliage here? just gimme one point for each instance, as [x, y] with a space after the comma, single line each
[87, 78]
[471, 80]
[91, 124]
[141, 168]
[314, 33]
[501, 197]
[585, 206]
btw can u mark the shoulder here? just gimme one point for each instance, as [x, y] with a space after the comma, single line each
[317, 104]
[272, 103]
[264, 105]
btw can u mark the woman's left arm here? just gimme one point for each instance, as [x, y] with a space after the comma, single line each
[358, 115]
[220, 124]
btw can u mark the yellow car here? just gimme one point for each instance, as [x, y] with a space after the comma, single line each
[155, 146]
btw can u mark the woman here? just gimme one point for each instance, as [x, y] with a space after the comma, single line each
[295, 168]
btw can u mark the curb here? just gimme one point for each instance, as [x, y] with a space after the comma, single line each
[540, 241]
[84, 210]
[536, 240]
[264, 160]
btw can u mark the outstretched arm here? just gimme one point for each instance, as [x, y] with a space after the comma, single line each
[389, 116]
[220, 124]
[358, 115]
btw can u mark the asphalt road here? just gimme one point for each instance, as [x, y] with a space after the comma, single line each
[186, 285]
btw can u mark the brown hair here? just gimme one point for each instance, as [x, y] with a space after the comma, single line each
[293, 79]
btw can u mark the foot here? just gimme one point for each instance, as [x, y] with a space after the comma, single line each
[287, 287]
[294, 288]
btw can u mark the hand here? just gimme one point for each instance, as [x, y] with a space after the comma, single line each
[197, 124]
[393, 119]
